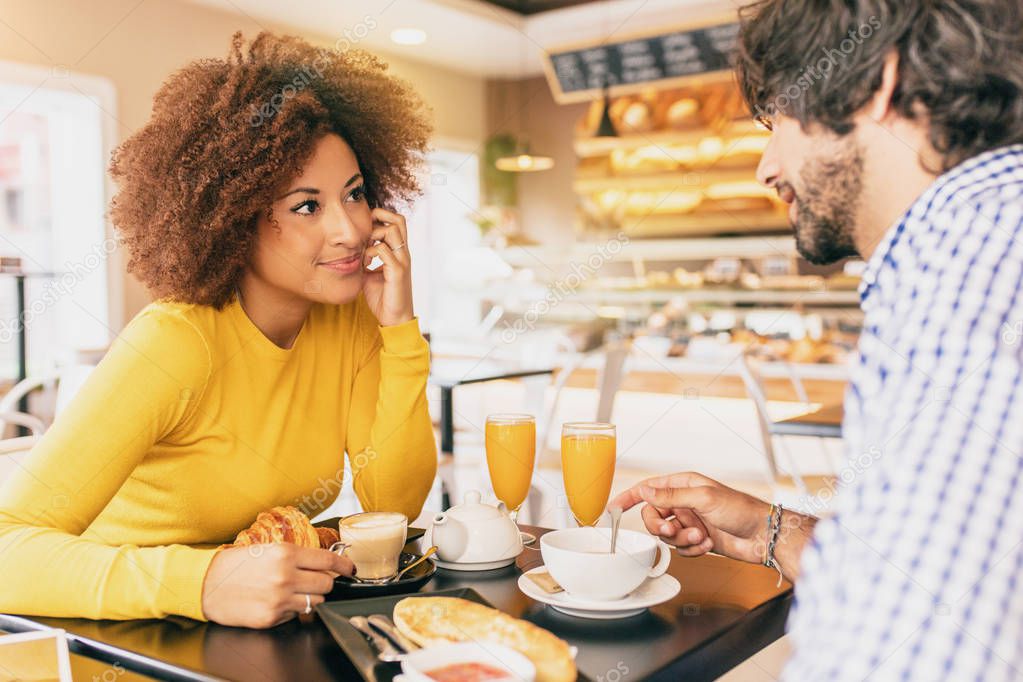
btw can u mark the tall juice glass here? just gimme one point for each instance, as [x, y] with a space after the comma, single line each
[588, 452]
[511, 454]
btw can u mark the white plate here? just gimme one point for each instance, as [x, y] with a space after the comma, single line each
[477, 566]
[651, 593]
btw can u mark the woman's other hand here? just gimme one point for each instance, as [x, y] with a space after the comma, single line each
[261, 586]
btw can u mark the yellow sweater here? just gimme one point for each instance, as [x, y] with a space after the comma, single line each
[192, 424]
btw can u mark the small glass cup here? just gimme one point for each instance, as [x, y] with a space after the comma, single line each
[373, 541]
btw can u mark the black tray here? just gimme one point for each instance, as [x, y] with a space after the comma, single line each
[335, 615]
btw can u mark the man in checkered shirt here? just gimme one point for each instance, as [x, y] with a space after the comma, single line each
[897, 136]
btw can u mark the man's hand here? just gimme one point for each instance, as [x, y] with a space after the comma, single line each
[698, 514]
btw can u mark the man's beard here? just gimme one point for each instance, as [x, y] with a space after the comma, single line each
[826, 209]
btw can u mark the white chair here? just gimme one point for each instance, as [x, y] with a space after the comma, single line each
[34, 424]
[67, 380]
[609, 379]
[793, 490]
[610, 376]
[13, 452]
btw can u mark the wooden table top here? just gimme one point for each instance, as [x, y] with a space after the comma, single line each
[826, 415]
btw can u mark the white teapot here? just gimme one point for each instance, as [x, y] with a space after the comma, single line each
[474, 533]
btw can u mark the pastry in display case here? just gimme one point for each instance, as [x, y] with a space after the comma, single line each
[683, 164]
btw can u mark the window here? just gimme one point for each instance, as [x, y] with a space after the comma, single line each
[54, 145]
[440, 228]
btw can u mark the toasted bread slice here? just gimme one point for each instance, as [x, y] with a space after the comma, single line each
[440, 620]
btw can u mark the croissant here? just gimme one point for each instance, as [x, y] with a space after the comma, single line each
[328, 536]
[285, 524]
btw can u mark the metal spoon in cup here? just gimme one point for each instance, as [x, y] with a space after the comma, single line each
[616, 519]
[397, 576]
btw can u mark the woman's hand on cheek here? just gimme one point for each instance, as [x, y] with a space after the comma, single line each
[388, 289]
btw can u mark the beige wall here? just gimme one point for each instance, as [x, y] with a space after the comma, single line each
[137, 44]
[546, 199]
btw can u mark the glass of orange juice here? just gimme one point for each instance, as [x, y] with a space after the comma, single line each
[511, 454]
[588, 465]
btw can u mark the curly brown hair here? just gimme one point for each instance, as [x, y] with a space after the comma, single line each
[226, 134]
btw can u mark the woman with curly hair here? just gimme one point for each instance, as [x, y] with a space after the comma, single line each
[252, 203]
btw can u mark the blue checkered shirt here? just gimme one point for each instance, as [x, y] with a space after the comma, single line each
[917, 576]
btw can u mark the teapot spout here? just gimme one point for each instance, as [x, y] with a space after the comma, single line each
[440, 519]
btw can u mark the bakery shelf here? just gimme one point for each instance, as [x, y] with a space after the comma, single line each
[708, 248]
[598, 146]
[692, 248]
[722, 296]
[702, 224]
[680, 180]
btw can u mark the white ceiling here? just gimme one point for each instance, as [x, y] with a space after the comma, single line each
[471, 36]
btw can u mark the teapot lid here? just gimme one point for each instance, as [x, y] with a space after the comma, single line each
[472, 509]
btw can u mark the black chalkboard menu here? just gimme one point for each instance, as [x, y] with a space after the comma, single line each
[580, 73]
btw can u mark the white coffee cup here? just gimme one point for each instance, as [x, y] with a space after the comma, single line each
[579, 559]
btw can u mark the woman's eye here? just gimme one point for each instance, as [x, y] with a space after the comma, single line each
[358, 194]
[310, 207]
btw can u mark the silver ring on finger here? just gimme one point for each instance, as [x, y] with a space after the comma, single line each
[398, 248]
[308, 605]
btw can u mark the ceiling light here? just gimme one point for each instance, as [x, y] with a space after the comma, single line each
[524, 163]
[408, 36]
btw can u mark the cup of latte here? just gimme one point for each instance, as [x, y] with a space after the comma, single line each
[373, 541]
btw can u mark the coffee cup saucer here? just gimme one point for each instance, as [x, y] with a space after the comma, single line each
[652, 592]
[415, 578]
[475, 565]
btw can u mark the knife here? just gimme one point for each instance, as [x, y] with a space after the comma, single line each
[384, 625]
[386, 650]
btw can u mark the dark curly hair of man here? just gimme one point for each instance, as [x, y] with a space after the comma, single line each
[226, 134]
[960, 65]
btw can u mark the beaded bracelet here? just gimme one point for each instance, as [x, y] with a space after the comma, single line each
[773, 527]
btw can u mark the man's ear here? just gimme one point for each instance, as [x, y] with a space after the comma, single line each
[880, 105]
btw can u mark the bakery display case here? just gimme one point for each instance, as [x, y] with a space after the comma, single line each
[692, 299]
[683, 164]
[677, 245]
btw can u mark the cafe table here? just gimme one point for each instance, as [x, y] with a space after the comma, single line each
[824, 422]
[726, 612]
